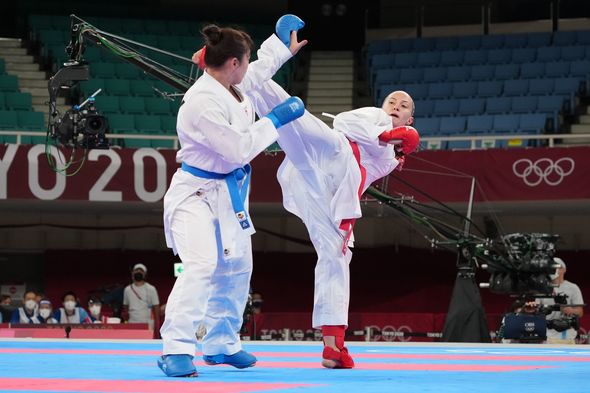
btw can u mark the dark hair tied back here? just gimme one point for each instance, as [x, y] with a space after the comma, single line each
[224, 43]
[212, 34]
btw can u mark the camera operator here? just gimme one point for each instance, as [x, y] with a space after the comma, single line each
[560, 324]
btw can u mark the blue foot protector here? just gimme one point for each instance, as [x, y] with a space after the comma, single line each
[285, 25]
[177, 365]
[240, 359]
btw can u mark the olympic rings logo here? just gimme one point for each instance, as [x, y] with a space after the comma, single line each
[543, 170]
[391, 333]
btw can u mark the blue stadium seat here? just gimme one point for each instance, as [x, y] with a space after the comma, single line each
[557, 69]
[567, 85]
[121, 124]
[532, 70]
[541, 86]
[526, 104]
[417, 91]
[533, 122]
[400, 46]
[464, 89]
[440, 90]
[424, 108]
[452, 125]
[580, 68]
[411, 75]
[134, 105]
[489, 89]
[515, 41]
[471, 106]
[506, 71]
[428, 59]
[506, 123]
[537, 40]
[551, 103]
[405, 60]
[386, 76]
[499, 56]
[446, 107]
[451, 58]
[492, 41]
[379, 46]
[479, 124]
[583, 37]
[427, 126]
[382, 61]
[107, 104]
[473, 57]
[437, 74]
[424, 44]
[469, 42]
[497, 105]
[446, 43]
[548, 53]
[516, 87]
[458, 73]
[571, 53]
[526, 55]
[482, 72]
[563, 38]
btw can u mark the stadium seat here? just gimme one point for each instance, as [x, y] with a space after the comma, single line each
[8, 83]
[132, 105]
[498, 56]
[571, 53]
[526, 104]
[375, 47]
[157, 106]
[557, 69]
[541, 86]
[437, 74]
[482, 72]
[492, 41]
[533, 122]
[427, 126]
[8, 120]
[537, 40]
[168, 124]
[19, 101]
[532, 70]
[148, 124]
[424, 44]
[479, 124]
[446, 43]
[469, 42]
[32, 121]
[142, 88]
[489, 89]
[446, 107]
[386, 76]
[506, 71]
[516, 87]
[127, 71]
[548, 53]
[451, 58]
[567, 85]
[411, 75]
[474, 57]
[471, 106]
[417, 91]
[121, 124]
[103, 70]
[498, 105]
[464, 89]
[564, 38]
[405, 60]
[382, 61]
[526, 55]
[458, 73]
[505, 123]
[107, 104]
[400, 46]
[515, 41]
[440, 90]
[424, 108]
[583, 37]
[117, 87]
[580, 68]
[452, 125]
[428, 59]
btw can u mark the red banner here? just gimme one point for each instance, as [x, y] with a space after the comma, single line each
[117, 175]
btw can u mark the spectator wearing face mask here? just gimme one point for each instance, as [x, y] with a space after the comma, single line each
[6, 308]
[45, 310]
[140, 299]
[95, 310]
[29, 312]
[70, 312]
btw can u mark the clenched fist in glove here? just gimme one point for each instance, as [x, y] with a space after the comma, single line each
[287, 111]
[405, 136]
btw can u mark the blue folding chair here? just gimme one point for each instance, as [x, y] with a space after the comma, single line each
[469, 42]
[515, 41]
[489, 89]
[446, 107]
[424, 108]
[563, 38]
[465, 89]
[492, 41]
[506, 71]
[451, 58]
[548, 53]
[506, 123]
[479, 124]
[525, 104]
[452, 125]
[474, 57]
[437, 74]
[557, 69]
[498, 105]
[446, 43]
[541, 86]
[458, 73]
[440, 90]
[482, 72]
[533, 123]
[471, 106]
[499, 56]
[537, 40]
[532, 70]
[572, 53]
[411, 75]
[428, 59]
[525, 55]
[516, 87]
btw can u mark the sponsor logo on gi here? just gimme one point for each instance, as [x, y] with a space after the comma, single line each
[543, 170]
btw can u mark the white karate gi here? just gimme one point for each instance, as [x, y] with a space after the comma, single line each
[320, 180]
[217, 134]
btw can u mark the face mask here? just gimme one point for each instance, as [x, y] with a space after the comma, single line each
[95, 310]
[30, 304]
[45, 312]
[257, 303]
[70, 305]
[138, 276]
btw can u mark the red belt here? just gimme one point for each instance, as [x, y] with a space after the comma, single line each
[348, 223]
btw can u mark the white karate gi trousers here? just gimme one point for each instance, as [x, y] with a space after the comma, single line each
[212, 290]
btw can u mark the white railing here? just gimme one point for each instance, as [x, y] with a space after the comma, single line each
[426, 141]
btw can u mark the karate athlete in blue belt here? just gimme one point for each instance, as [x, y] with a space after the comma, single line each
[206, 218]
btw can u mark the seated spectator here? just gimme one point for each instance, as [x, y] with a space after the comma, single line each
[70, 312]
[6, 308]
[29, 312]
[45, 310]
[95, 309]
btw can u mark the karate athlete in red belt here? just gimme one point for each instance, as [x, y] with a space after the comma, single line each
[322, 177]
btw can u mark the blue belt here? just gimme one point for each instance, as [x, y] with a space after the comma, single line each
[236, 193]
